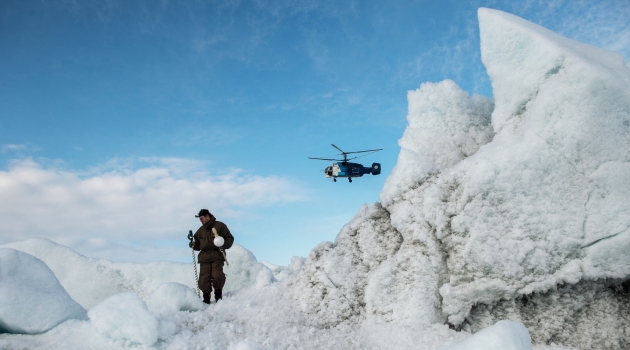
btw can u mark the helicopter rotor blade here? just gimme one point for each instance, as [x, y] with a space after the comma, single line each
[370, 150]
[359, 156]
[334, 160]
[356, 157]
[332, 144]
[345, 154]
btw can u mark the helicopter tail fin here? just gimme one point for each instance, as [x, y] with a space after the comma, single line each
[376, 168]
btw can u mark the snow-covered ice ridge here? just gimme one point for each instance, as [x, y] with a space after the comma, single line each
[90, 281]
[514, 208]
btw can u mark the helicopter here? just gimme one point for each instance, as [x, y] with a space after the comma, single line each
[343, 168]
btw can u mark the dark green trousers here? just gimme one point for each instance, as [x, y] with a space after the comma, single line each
[212, 277]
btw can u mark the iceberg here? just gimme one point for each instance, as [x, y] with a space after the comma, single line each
[545, 203]
[31, 299]
[512, 208]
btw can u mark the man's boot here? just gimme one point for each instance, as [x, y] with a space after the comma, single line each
[218, 294]
[206, 298]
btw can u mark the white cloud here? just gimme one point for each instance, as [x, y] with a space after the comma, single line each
[121, 205]
[11, 147]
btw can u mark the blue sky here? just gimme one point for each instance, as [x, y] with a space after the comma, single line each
[120, 119]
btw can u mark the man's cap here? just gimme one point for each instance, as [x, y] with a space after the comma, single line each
[203, 212]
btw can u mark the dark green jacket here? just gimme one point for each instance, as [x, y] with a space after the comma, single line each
[204, 241]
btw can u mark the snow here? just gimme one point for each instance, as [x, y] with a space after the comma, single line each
[445, 125]
[535, 207]
[90, 281]
[282, 272]
[171, 297]
[31, 299]
[508, 209]
[543, 203]
[497, 203]
[124, 318]
[244, 269]
[503, 335]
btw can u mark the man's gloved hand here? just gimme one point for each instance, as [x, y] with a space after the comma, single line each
[191, 244]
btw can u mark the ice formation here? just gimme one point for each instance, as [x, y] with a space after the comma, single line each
[503, 335]
[90, 281]
[124, 318]
[171, 297]
[493, 205]
[545, 203]
[31, 299]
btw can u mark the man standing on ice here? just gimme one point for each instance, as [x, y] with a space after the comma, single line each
[212, 238]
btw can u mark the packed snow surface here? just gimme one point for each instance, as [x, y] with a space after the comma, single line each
[90, 281]
[503, 335]
[171, 297]
[513, 207]
[31, 299]
[125, 318]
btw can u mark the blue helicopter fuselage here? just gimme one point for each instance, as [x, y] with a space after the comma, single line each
[347, 169]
